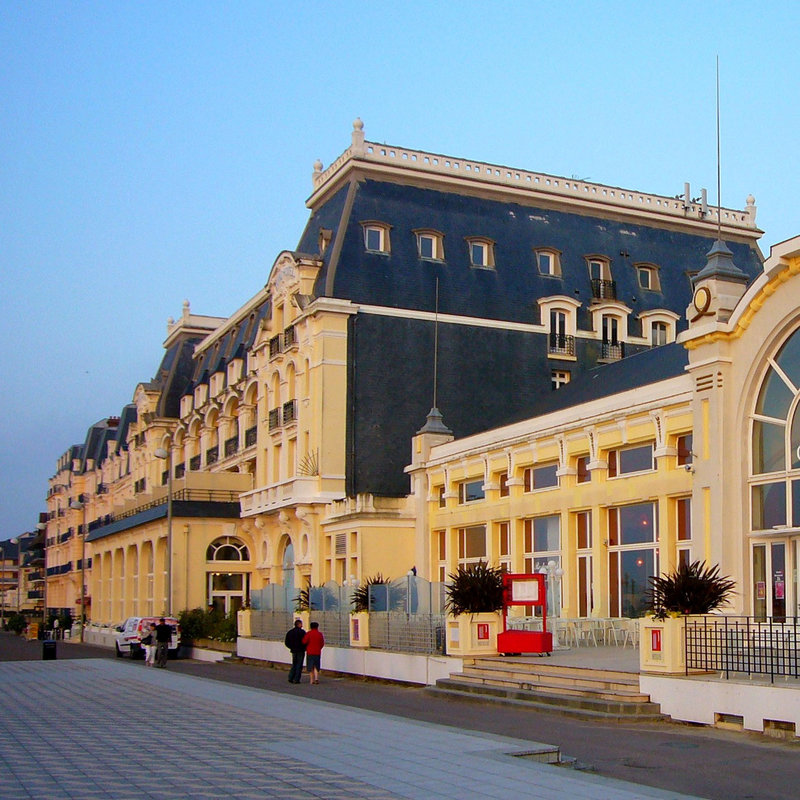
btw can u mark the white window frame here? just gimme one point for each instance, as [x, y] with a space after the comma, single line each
[653, 277]
[487, 248]
[382, 229]
[437, 242]
[553, 261]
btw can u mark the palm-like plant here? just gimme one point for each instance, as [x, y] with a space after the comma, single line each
[360, 599]
[691, 589]
[475, 589]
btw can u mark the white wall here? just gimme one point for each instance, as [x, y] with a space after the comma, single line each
[421, 669]
[699, 700]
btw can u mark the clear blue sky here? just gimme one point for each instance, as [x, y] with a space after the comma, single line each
[152, 152]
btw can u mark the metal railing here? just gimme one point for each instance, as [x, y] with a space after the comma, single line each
[406, 615]
[744, 645]
[604, 289]
[613, 351]
[561, 344]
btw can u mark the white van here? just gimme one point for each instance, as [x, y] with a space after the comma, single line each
[130, 633]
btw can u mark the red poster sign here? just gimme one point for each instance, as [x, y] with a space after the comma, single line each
[483, 630]
[655, 641]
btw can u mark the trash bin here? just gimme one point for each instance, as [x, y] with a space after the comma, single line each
[49, 650]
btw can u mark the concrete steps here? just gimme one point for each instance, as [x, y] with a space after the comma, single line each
[573, 691]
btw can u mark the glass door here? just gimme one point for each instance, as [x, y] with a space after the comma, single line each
[770, 582]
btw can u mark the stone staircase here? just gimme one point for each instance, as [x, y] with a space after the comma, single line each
[573, 691]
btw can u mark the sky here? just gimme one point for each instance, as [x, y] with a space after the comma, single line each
[157, 152]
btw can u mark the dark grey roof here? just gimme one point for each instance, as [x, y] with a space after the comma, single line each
[642, 369]
[510, 291]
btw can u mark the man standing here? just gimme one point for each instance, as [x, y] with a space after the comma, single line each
[314, 642]
[294, 641]
[163, 637]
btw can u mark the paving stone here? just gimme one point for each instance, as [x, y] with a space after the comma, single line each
[220, 740]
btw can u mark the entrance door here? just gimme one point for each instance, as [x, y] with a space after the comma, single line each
[770, 584]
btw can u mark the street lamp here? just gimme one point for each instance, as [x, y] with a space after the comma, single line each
[42, 528]
[166, 455]
[77, 504]
[2, 584]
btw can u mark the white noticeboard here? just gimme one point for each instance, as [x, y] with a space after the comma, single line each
[525, 591]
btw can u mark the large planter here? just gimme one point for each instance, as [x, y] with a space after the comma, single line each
[243, 622]
[662, 645]
[473, 634]
[359, 629]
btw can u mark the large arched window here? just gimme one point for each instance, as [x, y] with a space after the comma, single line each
[228, 585]
[775, 485]
[227, 548]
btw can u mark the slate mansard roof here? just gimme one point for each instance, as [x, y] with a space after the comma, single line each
[497, 372]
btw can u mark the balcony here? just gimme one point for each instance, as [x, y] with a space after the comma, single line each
[194, 463]
[612, 351]
[250, 436]
[289, 338]
[212, 455]
[180, 470]
[274, 419]
[560, 344]
[289, 412]
[604, 290]
[231, 446]
[275, 347]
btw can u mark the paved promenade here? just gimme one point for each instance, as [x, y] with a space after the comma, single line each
[100, 728]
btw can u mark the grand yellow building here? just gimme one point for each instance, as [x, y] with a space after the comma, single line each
[584, 409]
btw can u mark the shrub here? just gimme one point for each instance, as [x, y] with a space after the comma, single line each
[690, 589]
[16, 623]
[194, 624]
[211, 624]
[475, 589]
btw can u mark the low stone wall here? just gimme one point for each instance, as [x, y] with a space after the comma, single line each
[761, 707]
[384, 664]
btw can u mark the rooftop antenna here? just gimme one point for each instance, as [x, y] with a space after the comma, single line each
[436, 341]
[434, 422]
[719, 263]
[719, 167]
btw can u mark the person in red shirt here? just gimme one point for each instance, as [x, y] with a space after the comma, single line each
[314, 642]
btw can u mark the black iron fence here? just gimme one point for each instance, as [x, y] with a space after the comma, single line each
[744, 645]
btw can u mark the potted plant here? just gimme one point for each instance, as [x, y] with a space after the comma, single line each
[360, 602]
[690, 589]
[474, 599]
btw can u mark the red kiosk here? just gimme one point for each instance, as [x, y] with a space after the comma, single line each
[524, 590]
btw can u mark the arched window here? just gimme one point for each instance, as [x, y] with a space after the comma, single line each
[227, 548]
[775, 485]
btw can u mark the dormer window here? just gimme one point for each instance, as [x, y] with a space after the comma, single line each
[430, 245]
[481, 253]
[659, 326]
[548, 262]
[648, 277]
[376, 237]
[603, 287]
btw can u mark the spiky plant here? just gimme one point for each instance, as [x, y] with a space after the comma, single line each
[360, 599]
[474, 589]
[690, 589]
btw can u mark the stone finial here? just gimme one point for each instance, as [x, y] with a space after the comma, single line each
[358, 136]
[720, 264]
[317, 174]
[186, 309]
[751, 209]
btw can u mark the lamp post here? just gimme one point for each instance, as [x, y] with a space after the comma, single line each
[18, 543]
[166, 455]
[2, 585]
[42, 528]
[77, 504]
